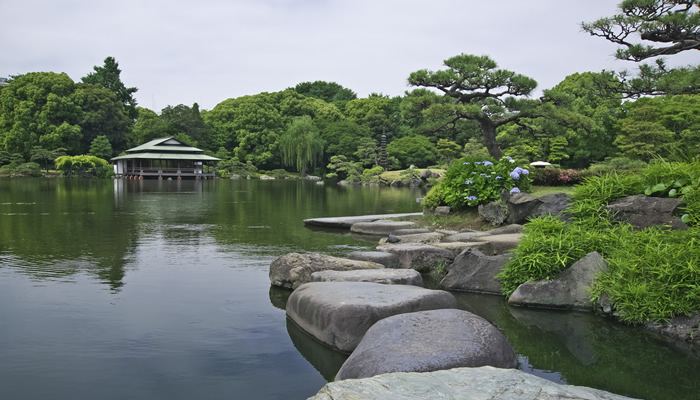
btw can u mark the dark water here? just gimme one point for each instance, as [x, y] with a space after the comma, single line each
[159, 290]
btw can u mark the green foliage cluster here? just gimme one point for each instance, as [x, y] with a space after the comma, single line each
[83, 164]
[617, 164]
[653, 274]
[471, 181]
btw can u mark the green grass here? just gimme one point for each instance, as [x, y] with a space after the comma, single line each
[538, 191]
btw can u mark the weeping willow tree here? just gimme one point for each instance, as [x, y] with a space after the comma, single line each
[301, 145]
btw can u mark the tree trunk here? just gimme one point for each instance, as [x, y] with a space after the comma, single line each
[488, 129]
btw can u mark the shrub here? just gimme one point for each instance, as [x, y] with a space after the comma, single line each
[371, 175]
[435, 197]
[28, 169]
[558, 177]
[472, 181]
[616, 164]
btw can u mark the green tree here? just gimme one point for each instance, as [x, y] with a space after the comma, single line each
[343, 137]
[380, 114]
[102, 115]
[301, 145]
[664, 27]
[72, 165]
[480, 92]
[46, 157]
[148, 126]
[368, 153]
[412, 150]
[557, 145]
[101, 148]
[181, 119]
[344, 169]
[108, 77]
[329, 92]
[38, 108]
[448, 150]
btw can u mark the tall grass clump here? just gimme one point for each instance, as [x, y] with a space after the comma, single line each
[653, 275]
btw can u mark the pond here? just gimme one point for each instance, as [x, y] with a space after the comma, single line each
[118, 289]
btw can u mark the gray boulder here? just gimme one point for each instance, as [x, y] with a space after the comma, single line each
[472, 271]
[494, 213]
[552, 204]
[428, 341]
[644, 212]
[568, 290]
[388, 260]
[499, 244]
[521, 206]
[512, 228]
[483, 383]
[385, 276]
[381, 227]
[421, 257]
[339, 313]
[443, 210]
[293, 269]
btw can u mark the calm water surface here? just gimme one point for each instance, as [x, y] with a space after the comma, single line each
[159, 290]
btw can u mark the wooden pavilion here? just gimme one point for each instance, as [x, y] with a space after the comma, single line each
[163, 158]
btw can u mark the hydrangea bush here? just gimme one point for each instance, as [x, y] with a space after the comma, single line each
[472, 181]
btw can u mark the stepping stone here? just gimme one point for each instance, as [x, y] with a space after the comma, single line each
[421, 257]
[429, 238]
[385, 276]
[293, 269]
[339, 313]
[388, 260]
[428, 341]
[483, 383]
[463, 237]
[381, 227]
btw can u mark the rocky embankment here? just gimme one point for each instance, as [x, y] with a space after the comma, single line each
[406, 341]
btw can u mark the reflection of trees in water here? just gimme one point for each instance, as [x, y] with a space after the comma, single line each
[590, 351]
[57, 228]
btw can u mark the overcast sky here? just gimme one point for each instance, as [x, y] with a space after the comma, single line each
[206, 51]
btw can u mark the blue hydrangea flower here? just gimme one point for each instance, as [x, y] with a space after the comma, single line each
[515, 175]
[524, 171]
[471, 198]
[469, 182]
[514, 190]
[509, 157]
[499, 177]
[466, 163]
[488, 163]
[478, 163]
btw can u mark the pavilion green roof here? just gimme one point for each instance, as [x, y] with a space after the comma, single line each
[166, 156]
[168, 144]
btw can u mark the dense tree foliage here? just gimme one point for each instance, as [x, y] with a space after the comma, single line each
[183, 120]
[664, 27]
[108, 77]
[329, 92]
[413, 150]
[301, 145]
[480, 92]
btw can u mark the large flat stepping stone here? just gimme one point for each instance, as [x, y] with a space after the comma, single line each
[568, 290]
[428, 238]
[463, 237]
[388, 260]
[421, 257]
[347, 222]
[428, 341]
[473, 271]
[483, 383]
[340, 313]
[409, 231]
[294, 269]
[385, 276]
[381, 227]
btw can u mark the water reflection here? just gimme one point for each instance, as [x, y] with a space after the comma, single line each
[324, 359]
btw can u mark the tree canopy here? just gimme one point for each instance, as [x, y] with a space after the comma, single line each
[107, 76]
[480, 92]
[301, 145]
[671, 26]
